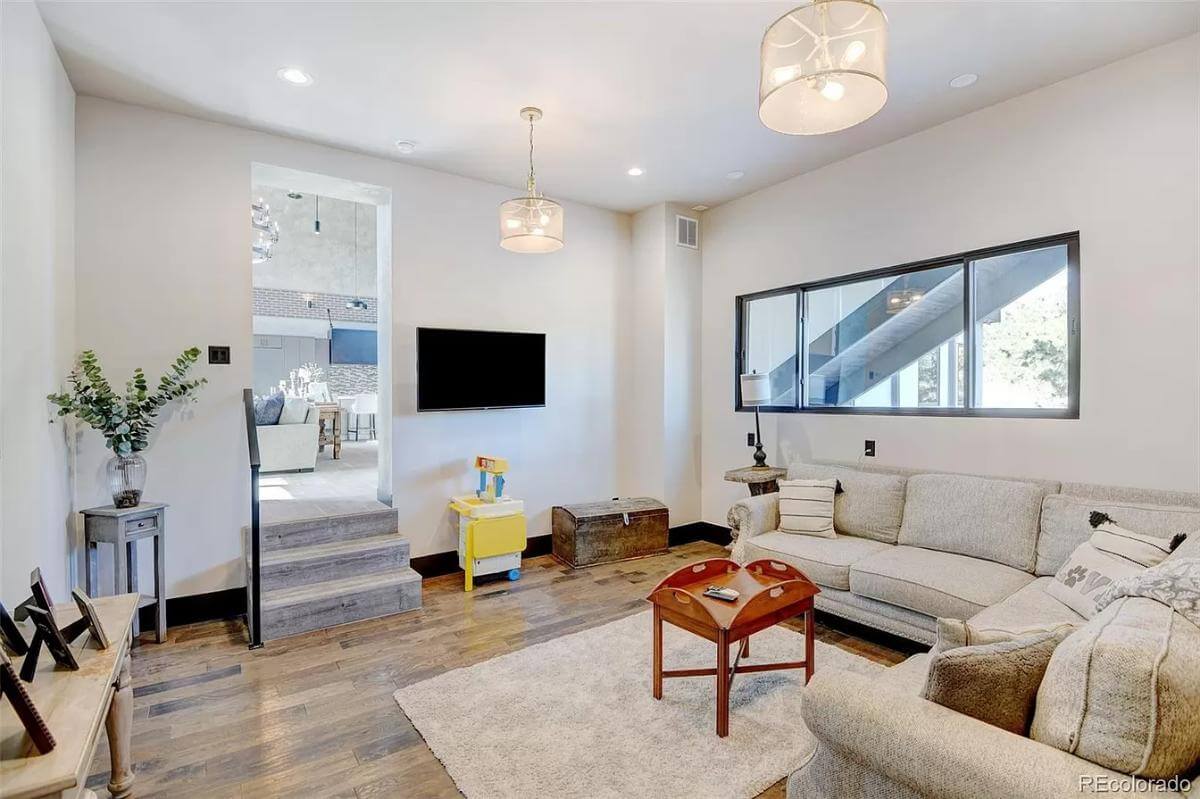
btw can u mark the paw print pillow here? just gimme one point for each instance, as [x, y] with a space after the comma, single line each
[1086, 574]
[1111, 554]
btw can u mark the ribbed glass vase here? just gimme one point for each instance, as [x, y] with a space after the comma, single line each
[126, 479]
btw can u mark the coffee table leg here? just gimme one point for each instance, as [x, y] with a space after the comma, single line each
[658, 678]
[722, 683]
[809, 632]
[745, 647]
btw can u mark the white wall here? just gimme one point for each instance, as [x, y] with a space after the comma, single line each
[37, 328]
[1112, 154]
[646, 469]
[164, 264]
[663, 444]
[681, 376]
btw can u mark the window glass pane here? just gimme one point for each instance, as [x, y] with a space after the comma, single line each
[769, 340]
[1021, 329]
[892, 342]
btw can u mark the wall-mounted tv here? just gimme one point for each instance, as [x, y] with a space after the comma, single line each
[460, 370]
[348, 345]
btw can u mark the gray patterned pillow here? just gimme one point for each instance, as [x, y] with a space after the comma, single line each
[1175, 583]
[268, 409]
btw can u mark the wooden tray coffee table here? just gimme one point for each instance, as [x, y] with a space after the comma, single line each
[770, 592]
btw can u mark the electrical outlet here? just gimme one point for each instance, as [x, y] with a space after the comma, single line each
[218, 355]
[749, 439]
[869, 448]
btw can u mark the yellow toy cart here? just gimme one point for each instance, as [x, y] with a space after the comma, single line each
[491, 536]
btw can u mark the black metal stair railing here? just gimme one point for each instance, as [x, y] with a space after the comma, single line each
[253, 578]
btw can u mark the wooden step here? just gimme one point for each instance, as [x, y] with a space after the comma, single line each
[328, 529]
[296, 566]
[298, 609]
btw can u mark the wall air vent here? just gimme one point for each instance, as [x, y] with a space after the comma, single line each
[687, 232]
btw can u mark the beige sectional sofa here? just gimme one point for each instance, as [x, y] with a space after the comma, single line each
[915, 546]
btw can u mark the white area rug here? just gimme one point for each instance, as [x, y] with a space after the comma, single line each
[574, 717]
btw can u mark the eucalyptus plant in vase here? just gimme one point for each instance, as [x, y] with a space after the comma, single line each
[125, 421]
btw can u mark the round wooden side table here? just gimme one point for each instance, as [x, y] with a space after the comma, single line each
[759, 479]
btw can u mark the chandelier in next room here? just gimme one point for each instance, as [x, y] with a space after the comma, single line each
[824, 67]
[265, 230]
[532, 223]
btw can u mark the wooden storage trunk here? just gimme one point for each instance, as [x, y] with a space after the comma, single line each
[615, 529]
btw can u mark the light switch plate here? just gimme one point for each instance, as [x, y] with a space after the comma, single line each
[218, 355]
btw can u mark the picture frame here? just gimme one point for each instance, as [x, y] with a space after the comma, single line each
[10, 634]
[41, 594]
[52, 637]
[14, 691]
[88, 611]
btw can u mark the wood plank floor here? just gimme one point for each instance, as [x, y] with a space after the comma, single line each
[313, 715]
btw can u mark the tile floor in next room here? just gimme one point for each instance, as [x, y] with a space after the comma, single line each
[346, 485]
[313, 715]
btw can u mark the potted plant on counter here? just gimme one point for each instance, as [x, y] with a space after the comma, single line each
[125, 421]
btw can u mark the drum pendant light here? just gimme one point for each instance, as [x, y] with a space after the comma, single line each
[824, 67]
[533, 223]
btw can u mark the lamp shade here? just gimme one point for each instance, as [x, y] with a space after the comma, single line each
[531, 224]
[756, 389]
[824, 67]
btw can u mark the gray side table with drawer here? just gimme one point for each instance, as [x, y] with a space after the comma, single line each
[124, 528]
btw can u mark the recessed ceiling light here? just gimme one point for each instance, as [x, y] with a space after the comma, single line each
[295, 195]
[635, 171]
[736, 174]
[406, 147]
[294, 76]
[699, 207]
[964, 80]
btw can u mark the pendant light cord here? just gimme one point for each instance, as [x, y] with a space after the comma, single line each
[532, 180]
[356, 251]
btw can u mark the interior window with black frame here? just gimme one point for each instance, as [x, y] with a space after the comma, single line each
[991, 332]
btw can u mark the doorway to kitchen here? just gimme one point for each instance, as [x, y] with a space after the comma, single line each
[321, 349]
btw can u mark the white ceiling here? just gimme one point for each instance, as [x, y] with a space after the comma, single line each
[669, 87]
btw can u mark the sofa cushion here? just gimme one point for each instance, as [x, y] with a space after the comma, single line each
[997, 682]
[976, 516]
[1124, 691]
[934, 583]
[1065, 525]
[806, 507]
[825, 561]
[869, 505]
[1029, 606]
[953, 633]
[295, 411]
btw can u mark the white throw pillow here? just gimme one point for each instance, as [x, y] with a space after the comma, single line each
[295, 411]
[806, 507]
[1145, 550]
[1086, 574]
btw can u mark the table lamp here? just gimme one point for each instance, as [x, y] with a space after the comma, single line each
[756, 391]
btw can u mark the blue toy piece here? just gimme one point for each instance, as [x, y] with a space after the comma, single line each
[514, 575]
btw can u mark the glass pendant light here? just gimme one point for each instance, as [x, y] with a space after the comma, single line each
[824, 67]
[266, 232]
[532, 223]
[358, 303]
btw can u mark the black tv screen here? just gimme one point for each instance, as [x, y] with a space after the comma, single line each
[347, 345]
[460, 370]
